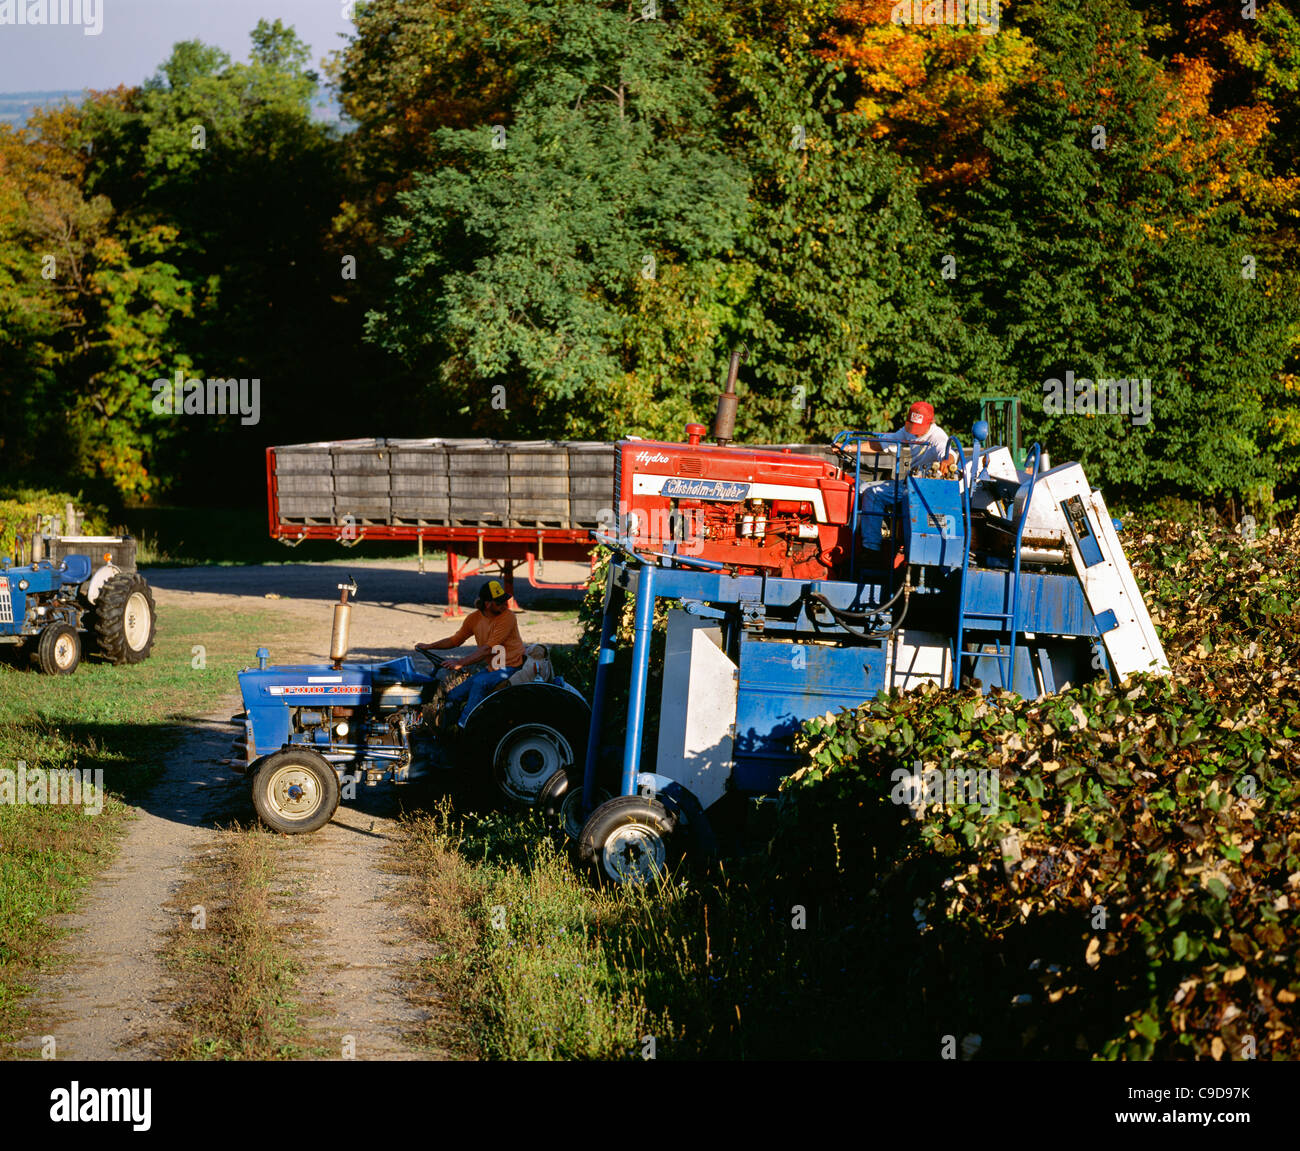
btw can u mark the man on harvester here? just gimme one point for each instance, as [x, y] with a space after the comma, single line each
[496, 634]
[929, 444]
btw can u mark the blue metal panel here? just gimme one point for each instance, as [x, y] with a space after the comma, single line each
[1106, 621]
[1059, 663]
[932, 527]
[1047, 603]
[783, 684]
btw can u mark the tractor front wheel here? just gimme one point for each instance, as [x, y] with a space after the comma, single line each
[295, 792]
[125, 619]
[628, 840]
[58, 651]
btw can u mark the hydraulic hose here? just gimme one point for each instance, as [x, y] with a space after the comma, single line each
[846, 619]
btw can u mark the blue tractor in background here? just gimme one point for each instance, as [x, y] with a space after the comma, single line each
[75, 587]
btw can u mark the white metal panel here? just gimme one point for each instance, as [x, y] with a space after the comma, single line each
[1133, 645]
[697, 713]
[916, 657]
[651, 484]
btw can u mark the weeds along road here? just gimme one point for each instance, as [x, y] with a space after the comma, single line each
[310, 932]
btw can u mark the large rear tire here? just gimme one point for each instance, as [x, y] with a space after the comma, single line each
[295, 792]
[125, 619]
[518, 738]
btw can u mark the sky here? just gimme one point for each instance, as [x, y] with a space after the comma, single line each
[136, 36]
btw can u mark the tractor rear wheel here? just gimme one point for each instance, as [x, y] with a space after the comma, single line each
[521, 736]
[295, 792]
[58, 651]
[628, 840]
[125, 619]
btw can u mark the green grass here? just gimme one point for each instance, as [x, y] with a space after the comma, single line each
[236, 977]
[123, 720]
[710, 964]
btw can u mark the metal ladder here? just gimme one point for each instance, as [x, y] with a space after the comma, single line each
[1008, 630]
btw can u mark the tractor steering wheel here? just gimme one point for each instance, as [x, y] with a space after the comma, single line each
[436, 660]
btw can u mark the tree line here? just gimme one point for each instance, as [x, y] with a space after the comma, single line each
[557, 218]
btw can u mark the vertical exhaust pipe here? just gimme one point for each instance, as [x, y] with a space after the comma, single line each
[724, 421]
[342, 623]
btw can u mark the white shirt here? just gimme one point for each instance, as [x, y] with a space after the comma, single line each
[928, 448]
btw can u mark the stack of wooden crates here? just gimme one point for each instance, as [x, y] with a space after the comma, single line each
[454, 482]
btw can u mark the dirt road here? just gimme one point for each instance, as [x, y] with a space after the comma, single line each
[110, 1002]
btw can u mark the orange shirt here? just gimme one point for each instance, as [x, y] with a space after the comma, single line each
[503, 630]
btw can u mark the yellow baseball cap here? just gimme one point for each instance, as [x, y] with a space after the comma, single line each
[492, 590]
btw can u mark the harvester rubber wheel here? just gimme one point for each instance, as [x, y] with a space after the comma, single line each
[628, 840]
[295, 792]
[560, 804]
[58, 650]
[551, 798]
[125, 619]
[521, 736]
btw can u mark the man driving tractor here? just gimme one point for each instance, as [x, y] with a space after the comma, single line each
[928, 440]
[929, 444]
[496, 634]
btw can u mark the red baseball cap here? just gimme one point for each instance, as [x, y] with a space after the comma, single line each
[920, 417]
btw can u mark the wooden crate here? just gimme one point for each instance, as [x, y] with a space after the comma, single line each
[361, 457]
[419, 484]
[588, 513]
[477, 457]
[475, 511]
[539, 485]
[591, 487]
[479, 487]
[537, 458]
[591, 459]
[303, 458]
[429, 509]
[418, 457]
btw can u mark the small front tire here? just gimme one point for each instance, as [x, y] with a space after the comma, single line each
[295, 792]
[628, 840]
[58, 651]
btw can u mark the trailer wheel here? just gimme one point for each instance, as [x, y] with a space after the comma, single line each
[125, 619]
[58, 651]
[628, 840]
[295, 792]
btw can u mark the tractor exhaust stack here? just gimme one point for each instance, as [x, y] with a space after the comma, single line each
[342, 623]
[724, 422]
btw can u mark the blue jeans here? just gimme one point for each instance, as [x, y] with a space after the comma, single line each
[876, 504]
[470, 692]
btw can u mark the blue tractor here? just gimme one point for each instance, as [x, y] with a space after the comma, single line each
[75, 587]
[310, 733]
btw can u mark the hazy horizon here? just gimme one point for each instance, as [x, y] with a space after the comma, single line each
[136, 36]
